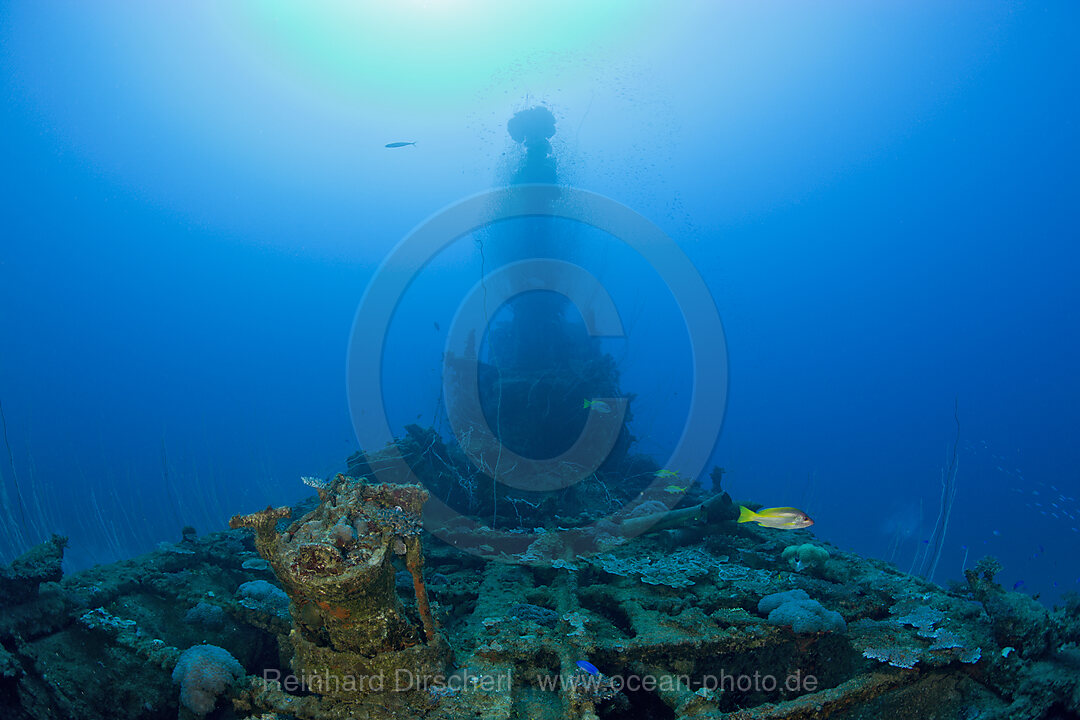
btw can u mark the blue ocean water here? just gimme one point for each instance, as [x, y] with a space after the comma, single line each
[881, 200]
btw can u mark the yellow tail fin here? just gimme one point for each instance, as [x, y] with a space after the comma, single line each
[746, 514]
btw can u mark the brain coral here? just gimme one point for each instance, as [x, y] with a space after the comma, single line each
[261, 595]
[800, 557]
[795, 609]
[203, 672]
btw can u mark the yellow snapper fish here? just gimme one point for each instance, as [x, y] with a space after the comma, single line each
[780, 518]
[599, 405]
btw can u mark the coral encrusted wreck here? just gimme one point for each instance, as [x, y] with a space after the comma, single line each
[706, 620]
[335, 564]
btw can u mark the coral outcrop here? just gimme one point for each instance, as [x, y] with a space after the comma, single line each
[204, 672]
[337, 566]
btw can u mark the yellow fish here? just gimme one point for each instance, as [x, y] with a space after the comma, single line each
[675, 489]
[780, 518]
[666, 473]
[598, 405]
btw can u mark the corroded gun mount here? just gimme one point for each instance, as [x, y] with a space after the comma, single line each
[335, 563]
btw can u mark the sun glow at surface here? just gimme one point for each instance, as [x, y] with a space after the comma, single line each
[436, 50]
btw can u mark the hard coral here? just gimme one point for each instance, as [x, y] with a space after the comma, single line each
[805, 557]
[802, 614]
[336, 566]
[261, 595]
[677, 569]
[204, 672]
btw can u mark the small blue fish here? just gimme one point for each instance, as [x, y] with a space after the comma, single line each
[1018, 584]
[587, 667]
[399, 144]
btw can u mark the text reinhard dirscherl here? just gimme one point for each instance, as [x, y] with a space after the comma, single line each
[403, 680]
